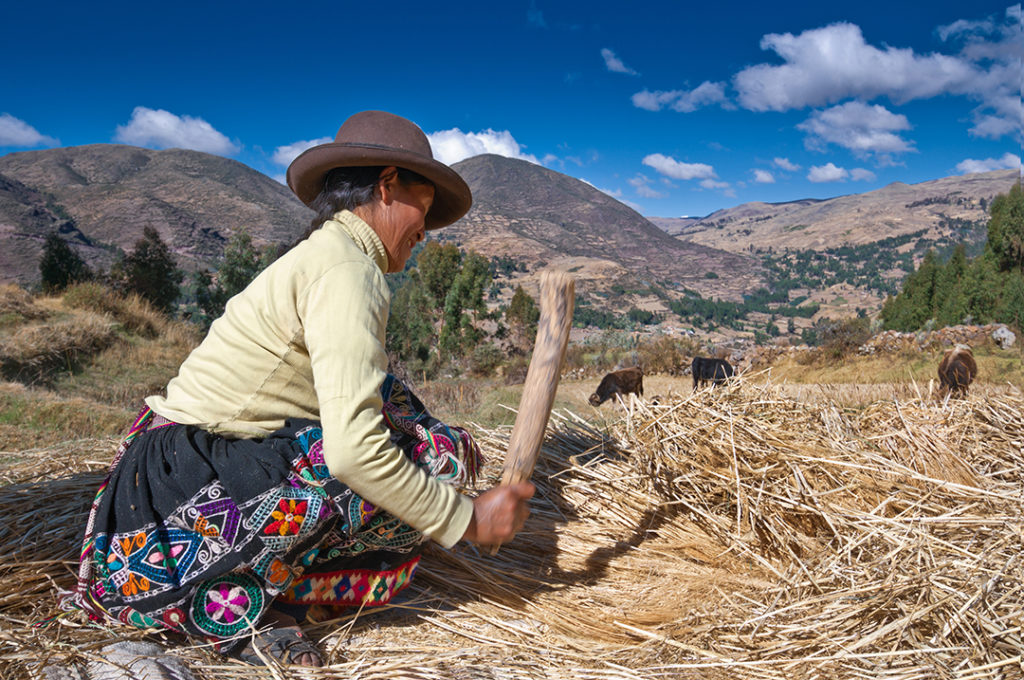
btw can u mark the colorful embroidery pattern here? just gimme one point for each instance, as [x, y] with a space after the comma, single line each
[351, 587]
[201, 541]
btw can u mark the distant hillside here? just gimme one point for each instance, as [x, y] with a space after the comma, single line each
[939, 208]
[538, 216]
[101, 196]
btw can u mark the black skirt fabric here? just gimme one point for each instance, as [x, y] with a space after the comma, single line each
[199, 533]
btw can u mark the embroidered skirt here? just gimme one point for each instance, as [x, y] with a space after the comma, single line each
[198, 533]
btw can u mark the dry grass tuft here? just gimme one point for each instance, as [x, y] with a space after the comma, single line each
[16, 306]
[729, 533]
[33, 350]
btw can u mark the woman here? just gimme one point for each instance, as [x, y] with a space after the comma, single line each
[284, 467]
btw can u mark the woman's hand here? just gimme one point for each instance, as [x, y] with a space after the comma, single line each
[499, 513]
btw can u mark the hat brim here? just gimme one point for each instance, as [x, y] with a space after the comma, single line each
[452, 197]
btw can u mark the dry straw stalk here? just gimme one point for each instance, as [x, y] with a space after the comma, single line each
[730, 533]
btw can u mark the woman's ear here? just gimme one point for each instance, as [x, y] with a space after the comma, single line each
[386, 183]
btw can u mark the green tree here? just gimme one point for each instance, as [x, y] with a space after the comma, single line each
[410, 333]
[466, 294]
[60, 266]
[522, 316]
[909, 310]
[1011, 304]
[438, 266]
[950, 299]
[151, 271]
[1006, 229]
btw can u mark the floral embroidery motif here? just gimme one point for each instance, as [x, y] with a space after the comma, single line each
[226, 603]
[288, 517]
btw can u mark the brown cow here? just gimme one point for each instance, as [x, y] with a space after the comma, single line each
[957, 370]
[619, 382]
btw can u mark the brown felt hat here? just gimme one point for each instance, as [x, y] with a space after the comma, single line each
[372, 138]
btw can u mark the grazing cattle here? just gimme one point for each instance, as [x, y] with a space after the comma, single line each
[619, 382]
[715, 370]
[957, 370]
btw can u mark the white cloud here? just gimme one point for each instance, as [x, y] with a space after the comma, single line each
[684, 101]
[713, 184]
[16, 132]
[642, 184]
[284, 155]
[827, 173]
[614, 64]
[162, 129]
[452, 146]
[825, 65]
[857, 126]
[763, 177]
[862, 175]
[670, 167]
[963, 26]
[785, 164]
[1008, 162]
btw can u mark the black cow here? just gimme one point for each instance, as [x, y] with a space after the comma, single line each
[619, 382]
[715, 370]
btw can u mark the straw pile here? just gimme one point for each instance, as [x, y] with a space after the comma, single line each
[732, 533]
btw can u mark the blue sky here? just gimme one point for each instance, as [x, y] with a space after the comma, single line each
[672, 108]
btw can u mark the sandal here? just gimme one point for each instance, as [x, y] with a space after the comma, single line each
[282, 644]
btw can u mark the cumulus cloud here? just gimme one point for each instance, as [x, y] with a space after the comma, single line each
[670, 167]
[827, 173]
[452, 146]
[763, 177]
[16, 132]
[859, 127]
[284, 155]
[614, 64]
[826, 65]
[642, 184]
[862, 175]
[1008, 161]
[684, 101]
[713, 184]
[785, 164]
[162, 130]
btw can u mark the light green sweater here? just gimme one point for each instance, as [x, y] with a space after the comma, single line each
[306, 340]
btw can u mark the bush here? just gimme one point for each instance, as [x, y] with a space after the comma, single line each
[134, 313]
[842, 338]
[667, 355]
[485, 359]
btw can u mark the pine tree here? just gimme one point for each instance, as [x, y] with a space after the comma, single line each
[1006, 230]
[60, 266]
[438, 266]
[1011, 304]
[151, 271]
[410, 332]
[950, 300]
[522, 316]
[466, 293]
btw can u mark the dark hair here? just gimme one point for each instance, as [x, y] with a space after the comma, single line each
[349, 188]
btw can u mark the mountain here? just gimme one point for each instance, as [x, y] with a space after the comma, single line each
[938, 208]
[101, 196]
[539, 217]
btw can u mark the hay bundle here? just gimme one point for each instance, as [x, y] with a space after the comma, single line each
[732, 533]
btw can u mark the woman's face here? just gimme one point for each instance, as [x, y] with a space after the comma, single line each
[398, 219]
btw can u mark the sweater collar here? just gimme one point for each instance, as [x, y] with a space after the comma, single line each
[363, 235]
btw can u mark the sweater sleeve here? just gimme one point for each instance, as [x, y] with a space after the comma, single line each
[344, 317]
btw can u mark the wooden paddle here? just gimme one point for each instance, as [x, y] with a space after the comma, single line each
[557, 297]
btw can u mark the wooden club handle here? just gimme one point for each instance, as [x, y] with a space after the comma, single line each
[557, 297]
